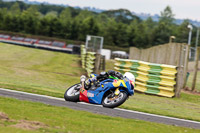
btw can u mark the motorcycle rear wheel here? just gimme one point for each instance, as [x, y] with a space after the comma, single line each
[115, 101]
[72, 93]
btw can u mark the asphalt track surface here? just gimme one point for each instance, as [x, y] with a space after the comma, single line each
[117, 112]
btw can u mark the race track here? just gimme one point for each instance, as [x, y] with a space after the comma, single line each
[117, 112]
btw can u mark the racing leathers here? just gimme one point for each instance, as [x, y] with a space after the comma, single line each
[102, 76]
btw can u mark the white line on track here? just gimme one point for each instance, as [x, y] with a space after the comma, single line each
[161, 116]
[32, 94]
[131, 111]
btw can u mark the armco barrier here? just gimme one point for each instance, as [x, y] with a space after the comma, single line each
[88, 60]
[151, 78]
[38, 46]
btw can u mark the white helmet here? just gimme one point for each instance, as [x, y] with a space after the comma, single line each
[130, 76]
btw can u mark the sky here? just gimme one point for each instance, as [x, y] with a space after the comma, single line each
[184, 9]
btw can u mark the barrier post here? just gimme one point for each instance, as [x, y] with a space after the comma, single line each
[186, 65]
[97, 63]
[103, 63]
[195, 69]
[180, 72]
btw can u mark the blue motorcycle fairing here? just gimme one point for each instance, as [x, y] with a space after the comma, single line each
[96, 96]
[129, 87]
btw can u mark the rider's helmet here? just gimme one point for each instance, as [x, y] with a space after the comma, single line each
[130, 76]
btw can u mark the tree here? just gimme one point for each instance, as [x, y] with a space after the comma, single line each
[150, 26]
[3, 12]
[118, 27]
[140, 39]
[88, 27]
[161, 34]
[8, 23]
[66, 20]
[181, 32]
[43, 26]
[83, 15]
[121, 15]
[65, 15]
[131, 31]
[163, 30]
[121, 35]
[30, 19]
[109, 32]
[116, 33]
[52, 14]
[74, 30]
[167, 16]
[15, 9]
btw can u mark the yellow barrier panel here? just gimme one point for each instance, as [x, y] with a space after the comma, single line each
[151, 78]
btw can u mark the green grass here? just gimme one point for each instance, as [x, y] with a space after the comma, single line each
[50, 73]
[38, 71]
[187, 106]
[61, 119]
[110, 65]
[190, 79]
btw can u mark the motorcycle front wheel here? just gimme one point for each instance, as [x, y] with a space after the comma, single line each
[72, 93]
[110, 101]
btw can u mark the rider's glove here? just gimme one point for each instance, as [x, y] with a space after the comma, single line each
[93, 79]
[83, 78]
[87, 82]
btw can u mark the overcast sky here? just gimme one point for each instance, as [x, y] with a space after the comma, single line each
[181, 8]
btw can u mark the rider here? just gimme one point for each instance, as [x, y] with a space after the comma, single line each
[102, 76]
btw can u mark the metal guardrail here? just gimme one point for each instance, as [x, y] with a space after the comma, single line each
[151, 78]
[39, 46]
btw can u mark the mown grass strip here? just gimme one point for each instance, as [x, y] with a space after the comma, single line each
[190, 79]
[51, 73]
[61, 119]
[186, 107]
[38, 71]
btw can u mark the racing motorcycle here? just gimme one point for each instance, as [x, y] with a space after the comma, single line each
[111, 92]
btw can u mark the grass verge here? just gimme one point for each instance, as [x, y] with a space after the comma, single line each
[187, 106]
[190, 78]
[38, 117]
[51, 73]
[38, 71]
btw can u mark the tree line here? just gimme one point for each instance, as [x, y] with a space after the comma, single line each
[118, 27]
